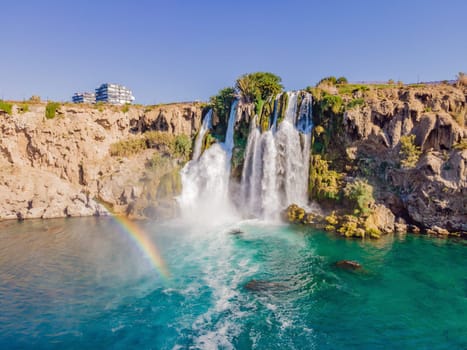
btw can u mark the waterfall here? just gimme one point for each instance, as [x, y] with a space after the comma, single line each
[205, 126]
[275, 172]
[205, 180]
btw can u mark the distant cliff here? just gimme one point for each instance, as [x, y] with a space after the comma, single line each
[63, 166]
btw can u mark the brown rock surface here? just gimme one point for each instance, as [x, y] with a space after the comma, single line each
[60, 167]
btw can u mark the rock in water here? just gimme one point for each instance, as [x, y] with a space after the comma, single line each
[235, 232]
[348, 265]
[262, 286]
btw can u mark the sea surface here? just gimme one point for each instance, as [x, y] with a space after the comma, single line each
[85, 284]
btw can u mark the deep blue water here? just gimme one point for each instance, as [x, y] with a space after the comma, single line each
[83, 284]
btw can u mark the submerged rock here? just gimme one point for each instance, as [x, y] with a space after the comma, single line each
[348, 265]
[262, 286]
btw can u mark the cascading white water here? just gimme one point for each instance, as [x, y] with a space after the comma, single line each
[205, 181]
[275, 172]
[205, 126]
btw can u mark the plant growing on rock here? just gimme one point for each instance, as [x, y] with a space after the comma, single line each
[359, 193]
[6, 107]
[409, 152]
[323, 182]
[182, 146]
[51, 109]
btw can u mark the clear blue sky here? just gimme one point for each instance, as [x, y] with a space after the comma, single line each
[174, 50]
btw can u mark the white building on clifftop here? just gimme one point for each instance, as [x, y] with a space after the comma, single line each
[114, 94]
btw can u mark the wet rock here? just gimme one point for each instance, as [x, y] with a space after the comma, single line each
[348, 265]
[235, 232]
[261, 286]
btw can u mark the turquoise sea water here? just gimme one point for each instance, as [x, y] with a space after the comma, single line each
[83, 284]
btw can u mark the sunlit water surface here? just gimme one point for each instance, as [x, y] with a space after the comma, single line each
[84, 284]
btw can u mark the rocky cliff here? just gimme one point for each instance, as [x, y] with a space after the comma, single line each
[405, 147]
[63, 166]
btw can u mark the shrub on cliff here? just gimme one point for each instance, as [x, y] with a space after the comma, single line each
[51, 109]
[126, 148]
[6, 107]
[258, 86]
[360, 195]
[409, 152]
[323, 182]
[182, 146]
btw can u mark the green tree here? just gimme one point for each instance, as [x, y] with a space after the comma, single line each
[222, 101]
[342, 80]
[258, 86]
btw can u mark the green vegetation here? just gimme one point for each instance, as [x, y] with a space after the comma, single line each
[51, 109]
[127, 147]
[342, 81]
[178, 146]
[182, 146]
[23, 108]
[6, 107]
[409, 152]
[125, 108]
[332, 103]
[355, 102]
[360, 195]
[220, 104]
[258, 86]
[323, 182]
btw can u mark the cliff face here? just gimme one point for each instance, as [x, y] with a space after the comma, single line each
[432, 192]
[59, 167]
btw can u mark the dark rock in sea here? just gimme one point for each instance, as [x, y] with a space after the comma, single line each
[262, 286]
[348, 265]
[235, 232]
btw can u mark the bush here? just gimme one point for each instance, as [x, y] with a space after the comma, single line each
[158, 162]
[125, 108]
[332, 103]
[51, 109]
[323, 183]
[126, 148]
[342, 81]
[6, 107]
[182, 146]
[409, 152]
[331, 80]
[360, 194]
[355, 102]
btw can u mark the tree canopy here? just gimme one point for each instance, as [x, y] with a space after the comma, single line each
[258, 86]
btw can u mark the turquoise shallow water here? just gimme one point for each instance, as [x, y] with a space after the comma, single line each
[83, 284]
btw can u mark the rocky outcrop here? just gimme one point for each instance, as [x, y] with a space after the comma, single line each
[434, 191]
[62, 166]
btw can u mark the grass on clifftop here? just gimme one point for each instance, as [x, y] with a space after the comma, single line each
[6, 107]
[51, 109]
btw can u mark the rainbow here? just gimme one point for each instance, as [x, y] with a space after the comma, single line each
[145, 244]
